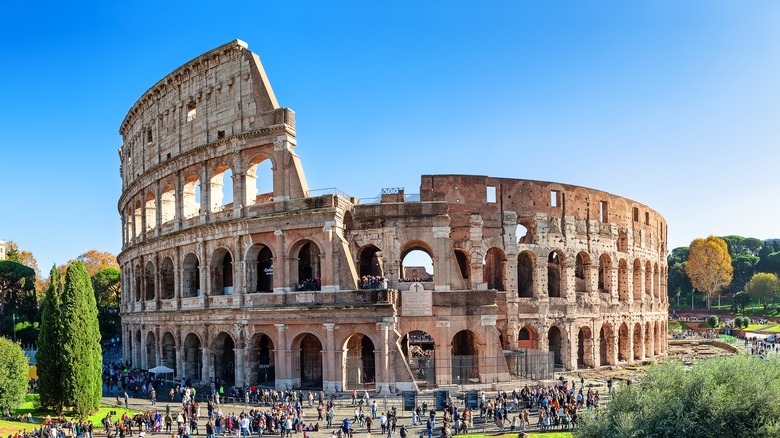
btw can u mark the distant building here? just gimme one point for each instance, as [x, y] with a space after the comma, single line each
[3, 250]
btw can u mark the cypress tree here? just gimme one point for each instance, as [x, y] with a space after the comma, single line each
[48, 356]
[82, 361]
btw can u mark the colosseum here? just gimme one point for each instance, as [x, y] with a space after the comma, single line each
[234, 269]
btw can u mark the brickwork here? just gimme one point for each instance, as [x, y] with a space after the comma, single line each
[223, 278]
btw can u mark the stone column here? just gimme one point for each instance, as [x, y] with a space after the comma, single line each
[179, 353]
[143, 359]
[329, 381]
[239, 366]
[205, 194]
[283, 379]
[281, 265]
[382, 378]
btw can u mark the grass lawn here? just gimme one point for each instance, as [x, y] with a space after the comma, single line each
[728, 338]
[675, 326]
[532, 435]
[756, 327]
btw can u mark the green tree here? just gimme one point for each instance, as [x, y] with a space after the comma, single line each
[49, 342]
[13, 376]
[735, 396]
[17, 290]
[762, 287]
[740, 302]
[107, 288]
[82, 360]
[709, 266]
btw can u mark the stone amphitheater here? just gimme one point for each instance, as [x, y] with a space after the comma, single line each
[234, 269]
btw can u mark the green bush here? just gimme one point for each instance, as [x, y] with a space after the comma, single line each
[712, 320]
[738, 322]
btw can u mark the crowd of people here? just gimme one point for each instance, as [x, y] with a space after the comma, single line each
[310, 284]
[372, 282]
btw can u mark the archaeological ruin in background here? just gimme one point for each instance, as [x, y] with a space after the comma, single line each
[233, 268]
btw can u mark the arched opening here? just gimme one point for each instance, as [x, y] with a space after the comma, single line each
[259, 181]
[169, 351]
[191, 197]
[582, 272]
[465, 358]
[261, 269]
[622, 280]
[310, 361]
[554, 271]
[463, 260]
[528, 337]
[624, 355]
[308, 267]
[222, 273]
[262, 369]
[191, 276]
[151, 212]
[149, 277]
[606, 346]
[138, 283]
[359, 367]
[137, 223]
[151, 350]
[585, 348]
[221, 188]
[417, 265]
[521, 233]
[555, 345]
[193, 357]
[224, 358]
[648, 340]
[525, 274]
[493, 269]
[649, 280]
[371, 268]
[637, 280]
[166, 279]
[605, 276]
[168, 203]
[420, 351]
[637, 341]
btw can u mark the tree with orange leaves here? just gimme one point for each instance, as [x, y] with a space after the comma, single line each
[709, 265]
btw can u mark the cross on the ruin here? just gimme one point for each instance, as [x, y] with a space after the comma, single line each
[416, 287]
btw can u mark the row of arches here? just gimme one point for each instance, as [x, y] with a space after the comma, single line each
[185, 199]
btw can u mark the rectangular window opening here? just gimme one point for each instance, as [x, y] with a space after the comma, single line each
[647, 218]
[168, 157]
[603, 212]
[149, 135]
[220, 134]
[636, 214]
[491, 194]
[192, 108]
[555, 198]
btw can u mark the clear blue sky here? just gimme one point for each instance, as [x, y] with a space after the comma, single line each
[673, 104]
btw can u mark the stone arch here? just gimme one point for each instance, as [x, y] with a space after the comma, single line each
[305, 255]
[371, 263]
[193, 357]
[416, 273]
[419, 349]
[528, 337]
[138, 281]
[493, 271]
[259, 268]
[624, 354]
[585, 348]
[169, 351]
[605, 274]
[649, 279]
[168, 203]
[167, 277]
[556, 343]
[556, 263]
[151, 350]
[622, 280]
[261, 359]
[223, 349]
[150, 208]
[637, 341]
[259, 183]
[359, 362]
[221, 272]
[582, 272]
[149, 275]
[526, 263]
[221, 187]
[465, 358]
[191, 196]
[606, 345]
[191, 276]
[464, 262]
[309, 360]
[637, 283]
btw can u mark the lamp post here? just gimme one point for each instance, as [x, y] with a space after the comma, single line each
[13, 316]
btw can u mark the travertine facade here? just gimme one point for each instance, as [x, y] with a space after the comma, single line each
[3, 250]
[221, 233]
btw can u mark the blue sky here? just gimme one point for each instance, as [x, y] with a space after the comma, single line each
[673, 104]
